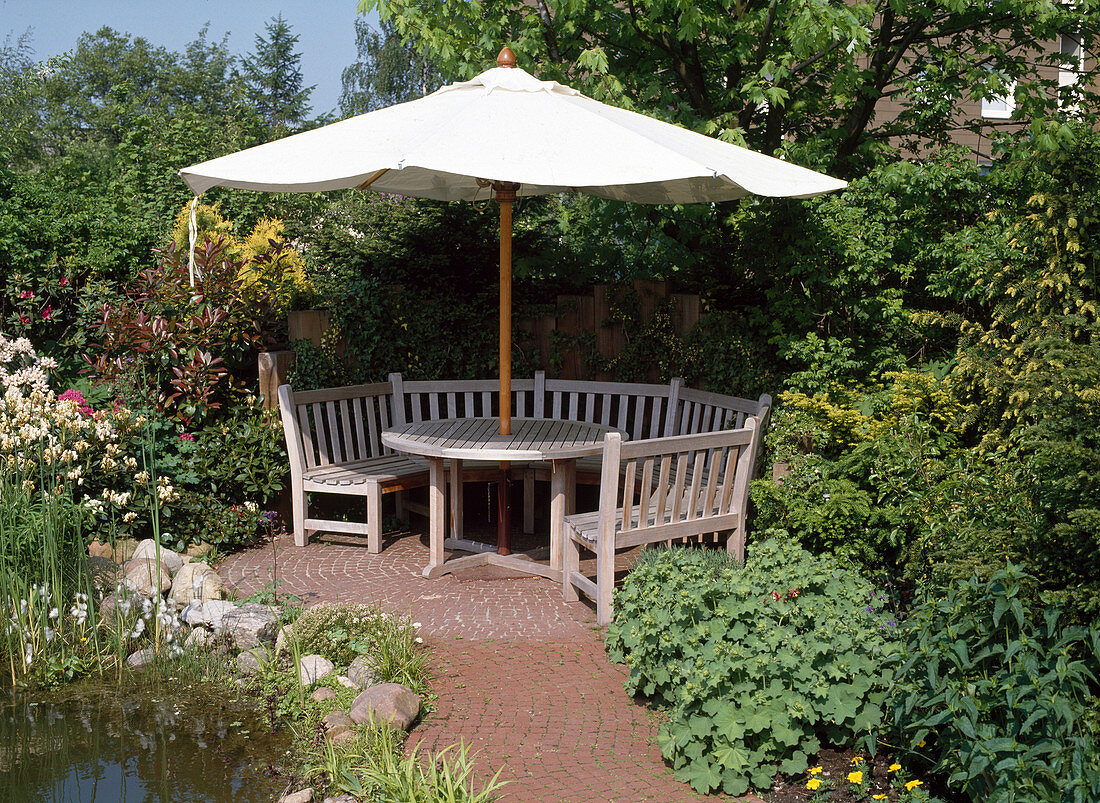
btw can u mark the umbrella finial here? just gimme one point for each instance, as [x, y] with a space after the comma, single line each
[506, 58]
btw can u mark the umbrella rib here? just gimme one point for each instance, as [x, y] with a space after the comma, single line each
[377, 174]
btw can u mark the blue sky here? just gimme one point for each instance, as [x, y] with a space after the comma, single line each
[326, 29]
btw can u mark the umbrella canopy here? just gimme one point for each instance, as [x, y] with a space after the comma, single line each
[506, 134]
[507, 126]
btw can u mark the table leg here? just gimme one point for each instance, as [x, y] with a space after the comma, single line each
[504, 511]
[437, 513]
[456, 499]
[562, 473]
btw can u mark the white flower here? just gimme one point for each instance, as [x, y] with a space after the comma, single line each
[54, 613]
[418, 640]
[416, 625]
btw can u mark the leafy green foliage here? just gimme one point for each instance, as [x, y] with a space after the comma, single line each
[755, 663]
[811, 72]
[387, 71]
[996, 698]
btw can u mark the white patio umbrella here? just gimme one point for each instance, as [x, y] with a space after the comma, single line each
[506, 134]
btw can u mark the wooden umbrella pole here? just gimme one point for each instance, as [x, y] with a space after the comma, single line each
[505, 195]
[505, 199]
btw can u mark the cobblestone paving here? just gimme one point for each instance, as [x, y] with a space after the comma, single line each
[522, 676]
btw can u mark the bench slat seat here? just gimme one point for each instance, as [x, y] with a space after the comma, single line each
[390, 469]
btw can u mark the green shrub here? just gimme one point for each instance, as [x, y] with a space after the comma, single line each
[341, 632]
[754, 663]
[997, 700]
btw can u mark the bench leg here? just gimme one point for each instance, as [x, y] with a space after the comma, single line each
[528, 501]
[374, 519]
[735, 544]
[437, 514]
[571, 562]
[298, 506]
[605, 579]
[399, 503]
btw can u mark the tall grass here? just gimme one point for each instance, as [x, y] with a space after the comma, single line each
[46, 595]
[48, 600]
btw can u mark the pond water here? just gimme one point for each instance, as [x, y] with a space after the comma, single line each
[167, 743]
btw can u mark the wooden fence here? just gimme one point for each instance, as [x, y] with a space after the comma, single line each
[564, 340]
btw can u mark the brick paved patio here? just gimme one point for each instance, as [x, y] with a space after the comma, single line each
[522, 676]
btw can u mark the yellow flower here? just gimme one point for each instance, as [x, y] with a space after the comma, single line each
[909, 787]
[855, 777]
[813, 784]
[815, 771]
[920, 743]
[857, 760]
[893, 767]
[878, 797]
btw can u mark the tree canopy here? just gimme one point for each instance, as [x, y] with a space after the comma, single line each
[813, 72]
[272, 72]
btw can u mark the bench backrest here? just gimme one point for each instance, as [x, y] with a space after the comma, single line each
[462, 398]
[336, 425]
[678, 486]
[700, 411]
[641, 411]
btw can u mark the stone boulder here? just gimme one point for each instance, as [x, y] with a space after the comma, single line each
[147, 577]
[99, 549]
[338, 726]
[200, 550]
[147, 549]
[322, 693]
[123, 550]
[198, 577]
[361, 673]
[103, 572]
[198, 639]
[301, 796]
[347, 684]
[141, 658]
[283, 639]
[250, 662]
[250, 625]
[392, 703]
[313, 668]
[213, 613]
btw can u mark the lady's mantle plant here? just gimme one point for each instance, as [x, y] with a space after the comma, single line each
[754, 663]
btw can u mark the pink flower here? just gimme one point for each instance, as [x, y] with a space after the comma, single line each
[24, 319]
[46, 313]
[186, 436]
[26, 294]
[64, 281]
[77, 397]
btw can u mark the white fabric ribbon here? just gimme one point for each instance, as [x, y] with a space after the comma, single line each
[192, 233]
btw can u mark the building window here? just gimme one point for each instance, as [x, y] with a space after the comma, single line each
[1069, 47]
[1000, 106]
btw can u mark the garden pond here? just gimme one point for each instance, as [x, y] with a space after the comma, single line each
[166, 743]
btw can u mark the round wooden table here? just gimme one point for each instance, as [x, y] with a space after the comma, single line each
[532, 439]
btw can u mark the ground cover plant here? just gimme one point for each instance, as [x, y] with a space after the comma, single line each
[756, 664]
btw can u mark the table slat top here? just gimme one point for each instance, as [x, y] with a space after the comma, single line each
[480, 439]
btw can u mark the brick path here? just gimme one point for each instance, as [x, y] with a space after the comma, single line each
[522, 676]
